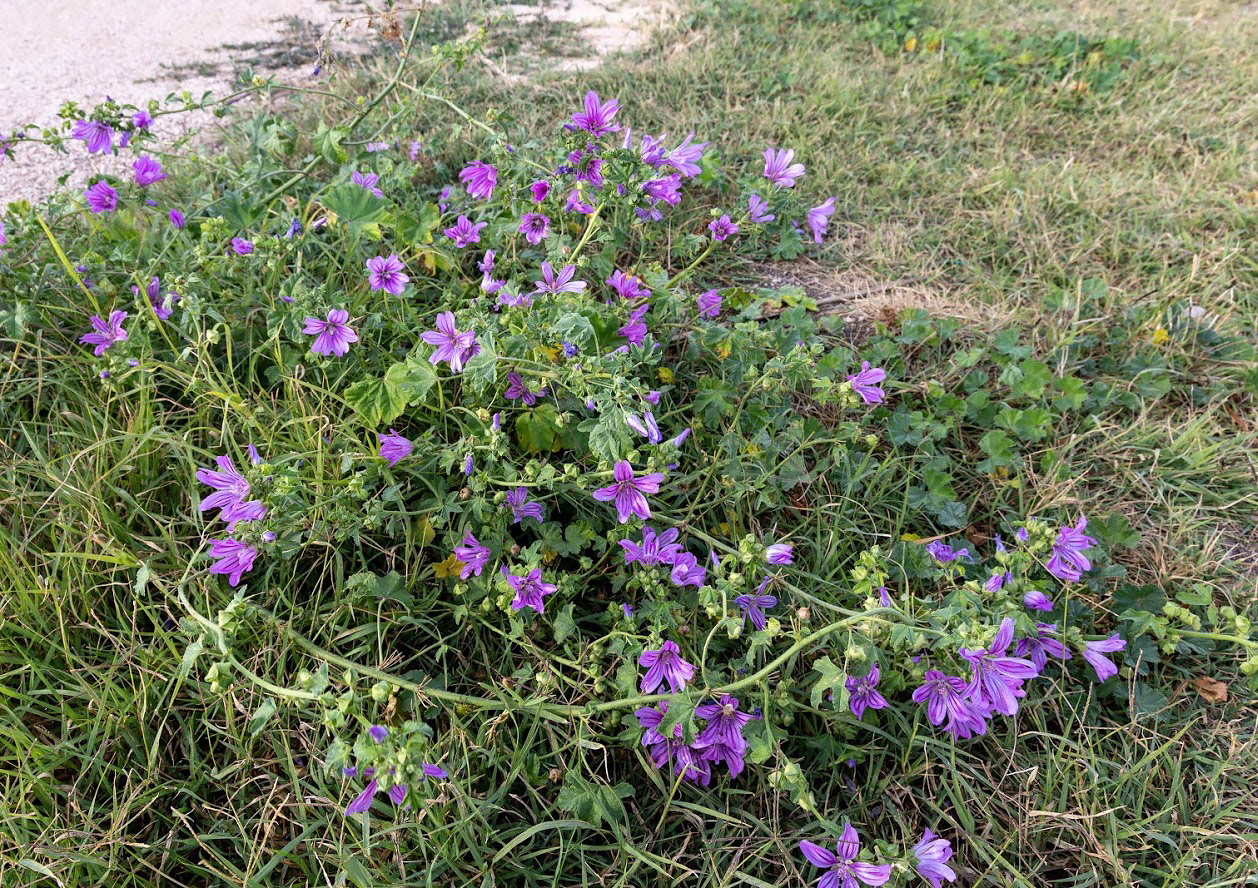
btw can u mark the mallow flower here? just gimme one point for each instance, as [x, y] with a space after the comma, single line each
[105, 333]
[1068, 561]
[394, 447]
[998, 677]
[1094, 653]
[333, 336]
[665, 665]
[530, 590]
[779, 169]
[627, 492]
[843, 870]
[930, 859]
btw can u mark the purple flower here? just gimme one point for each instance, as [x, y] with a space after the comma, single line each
[101, 197]
[509, 299]
[686, 759]
[687, 571]
[530, 591]
[1068, 561]
[235, 559]
[468, 465]
[575, 204]
[333, 336]
[367, 181]
[1038, 647]
[863, 692]
[521, 508]
[780, 553]
[778, 168]
[818, 219]
[486, 266]
[722, 228]
[646, 427]
[105, 334]
[997, 581]
[294, 229]
[944, 554]
[534, 227]
[627, 286]
[1037, 600]
[754, 606]
[666, 190]
[627, 492]
[540, 189]
[473, 555]
[463, 232]
[865, 383]
[560, 283]
[597, 116]
[758, 210]
[654, 550]
[453, 347]
[141, 119]
[843, 869]
[241, 247]
[231, 494]
[177, 219]
[930, 859]
[154, 292]
[98, 136]
[591, 171]
[944, 696]
[479, 179]
[997, 680]
[635, 331]
[709, 303]
[386, 273]
[147, 171]
[517, 390]
[721, 739]
[394, 448]
[1094, 653]
[686, 156]
[413, 151]
[665, 665]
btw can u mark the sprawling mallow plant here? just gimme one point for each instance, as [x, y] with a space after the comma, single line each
[526, 390]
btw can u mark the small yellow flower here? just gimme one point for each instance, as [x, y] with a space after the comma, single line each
[448, 568]
[910, 537]
[666, 374]
[910, 45]
[1160, 336]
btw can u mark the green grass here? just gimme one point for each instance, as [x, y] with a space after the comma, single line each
[1087, 220]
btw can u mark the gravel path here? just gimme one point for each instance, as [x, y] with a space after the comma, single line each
[52, 51]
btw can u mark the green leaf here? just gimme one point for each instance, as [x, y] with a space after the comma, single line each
[595, 803]
[262, 716]
[564, 624]
[413, 378]
[1148, 699]
[354, 205]
[607, 437]
[417, 231]
[538, 430]
[999, 449]
[576, 328]
[190, 654]
[831, 682]
[482, 370]
[376, 400]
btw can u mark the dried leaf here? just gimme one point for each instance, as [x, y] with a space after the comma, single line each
[1211, 689]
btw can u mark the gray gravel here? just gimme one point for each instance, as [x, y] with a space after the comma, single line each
[52, 51]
